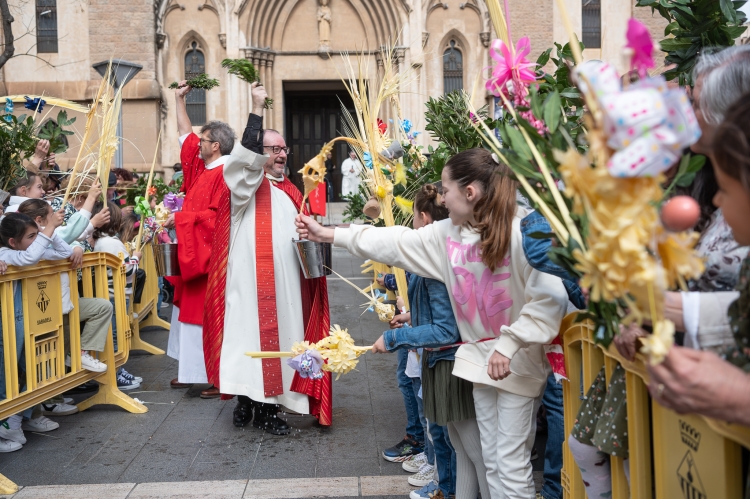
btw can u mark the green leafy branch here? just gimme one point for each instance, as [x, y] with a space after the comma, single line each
[244, 70]
[202, 82]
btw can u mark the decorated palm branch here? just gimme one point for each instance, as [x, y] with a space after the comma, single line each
[605, 220]
[377, 150]
[95, 155]
[335, 353]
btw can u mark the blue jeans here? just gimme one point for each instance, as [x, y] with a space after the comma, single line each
[553, 456]
[429, 450]
[413, 425]
[445, 458]
[114, 320]
[20, 340]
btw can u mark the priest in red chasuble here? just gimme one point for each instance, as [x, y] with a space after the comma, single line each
[202, 156]
[257, 299]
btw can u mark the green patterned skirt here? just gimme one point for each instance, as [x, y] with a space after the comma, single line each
[445, 397]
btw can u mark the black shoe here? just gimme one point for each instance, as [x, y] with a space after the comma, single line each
[88, 387]
[266, 418]
[243, 413]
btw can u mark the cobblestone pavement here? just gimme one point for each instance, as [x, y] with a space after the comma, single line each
[187, 447]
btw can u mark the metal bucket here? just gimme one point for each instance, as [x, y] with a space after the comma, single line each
[314, 258]
[165, 257]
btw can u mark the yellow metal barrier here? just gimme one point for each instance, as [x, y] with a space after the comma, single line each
[147, 310]
[44, 338]
[693, 457]
[375, 268]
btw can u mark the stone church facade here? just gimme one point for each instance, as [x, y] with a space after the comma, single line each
[297, 47]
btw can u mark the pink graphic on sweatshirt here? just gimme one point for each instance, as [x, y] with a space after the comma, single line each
[478, 296]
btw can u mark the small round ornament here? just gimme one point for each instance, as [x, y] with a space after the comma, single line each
[680, 213]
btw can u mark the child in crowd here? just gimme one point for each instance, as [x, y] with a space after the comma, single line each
[23, 244]
[433, 325]
[108, 239]
[30, 187]
[505, 309]
[414, 444]
[95, 312]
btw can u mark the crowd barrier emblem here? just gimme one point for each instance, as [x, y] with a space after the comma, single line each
[45, 340]
[671, 455]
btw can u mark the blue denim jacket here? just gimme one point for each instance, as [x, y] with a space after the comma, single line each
[536, 253]
[433, 323]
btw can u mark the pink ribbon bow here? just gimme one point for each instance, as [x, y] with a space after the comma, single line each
[639, 40]
[510, 66]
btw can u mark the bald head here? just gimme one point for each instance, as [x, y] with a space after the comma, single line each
[276, 161]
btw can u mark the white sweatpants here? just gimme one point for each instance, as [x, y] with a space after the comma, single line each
[507, 423]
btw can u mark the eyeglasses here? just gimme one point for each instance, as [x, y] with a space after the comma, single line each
[278, 149]
[209, 141]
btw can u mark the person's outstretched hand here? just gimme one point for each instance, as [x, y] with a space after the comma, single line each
[183, 91]
[259, 97]
[379, 346]
[626, 341]
[694, 382]
[309, 229]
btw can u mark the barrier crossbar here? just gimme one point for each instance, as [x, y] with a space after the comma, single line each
[146, 312]
[671, 455]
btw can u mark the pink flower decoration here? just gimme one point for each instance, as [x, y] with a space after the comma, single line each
[639, 40]
[510, 66]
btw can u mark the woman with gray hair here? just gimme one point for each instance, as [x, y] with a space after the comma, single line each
[721, 77]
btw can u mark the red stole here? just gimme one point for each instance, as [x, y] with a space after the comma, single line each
[314, 303]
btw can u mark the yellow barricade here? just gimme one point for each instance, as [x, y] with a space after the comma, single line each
[375, 268]
[693, 457]
[147, 310]
[44, 339]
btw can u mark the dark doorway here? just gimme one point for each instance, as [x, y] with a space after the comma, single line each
[313, 117]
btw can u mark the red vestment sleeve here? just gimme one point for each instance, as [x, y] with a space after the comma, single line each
[195, 233]
[192, 165]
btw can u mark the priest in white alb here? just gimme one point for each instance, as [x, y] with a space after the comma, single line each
[267, 304]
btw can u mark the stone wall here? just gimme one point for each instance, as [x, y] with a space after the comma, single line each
[123, 29]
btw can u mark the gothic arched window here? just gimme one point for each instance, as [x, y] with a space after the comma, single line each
[592, 24]
[453, 68]
[46, 26]
[195, 64]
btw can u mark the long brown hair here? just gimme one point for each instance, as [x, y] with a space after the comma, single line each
[111, 229]
[496, 208]
[732, 142]
[427, 200]
[34, 208]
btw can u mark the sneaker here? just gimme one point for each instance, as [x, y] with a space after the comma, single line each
[125, 385]
[122, 372]
[13, 435]
[403, 450]
[40, 424]
[68, 400]
[59, 409]
[91, 364]
[164, 305]
[429, 491]
[9, 445]
[413, 463]
[424, 476]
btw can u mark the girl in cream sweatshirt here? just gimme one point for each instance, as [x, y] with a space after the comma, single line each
[509, 309]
